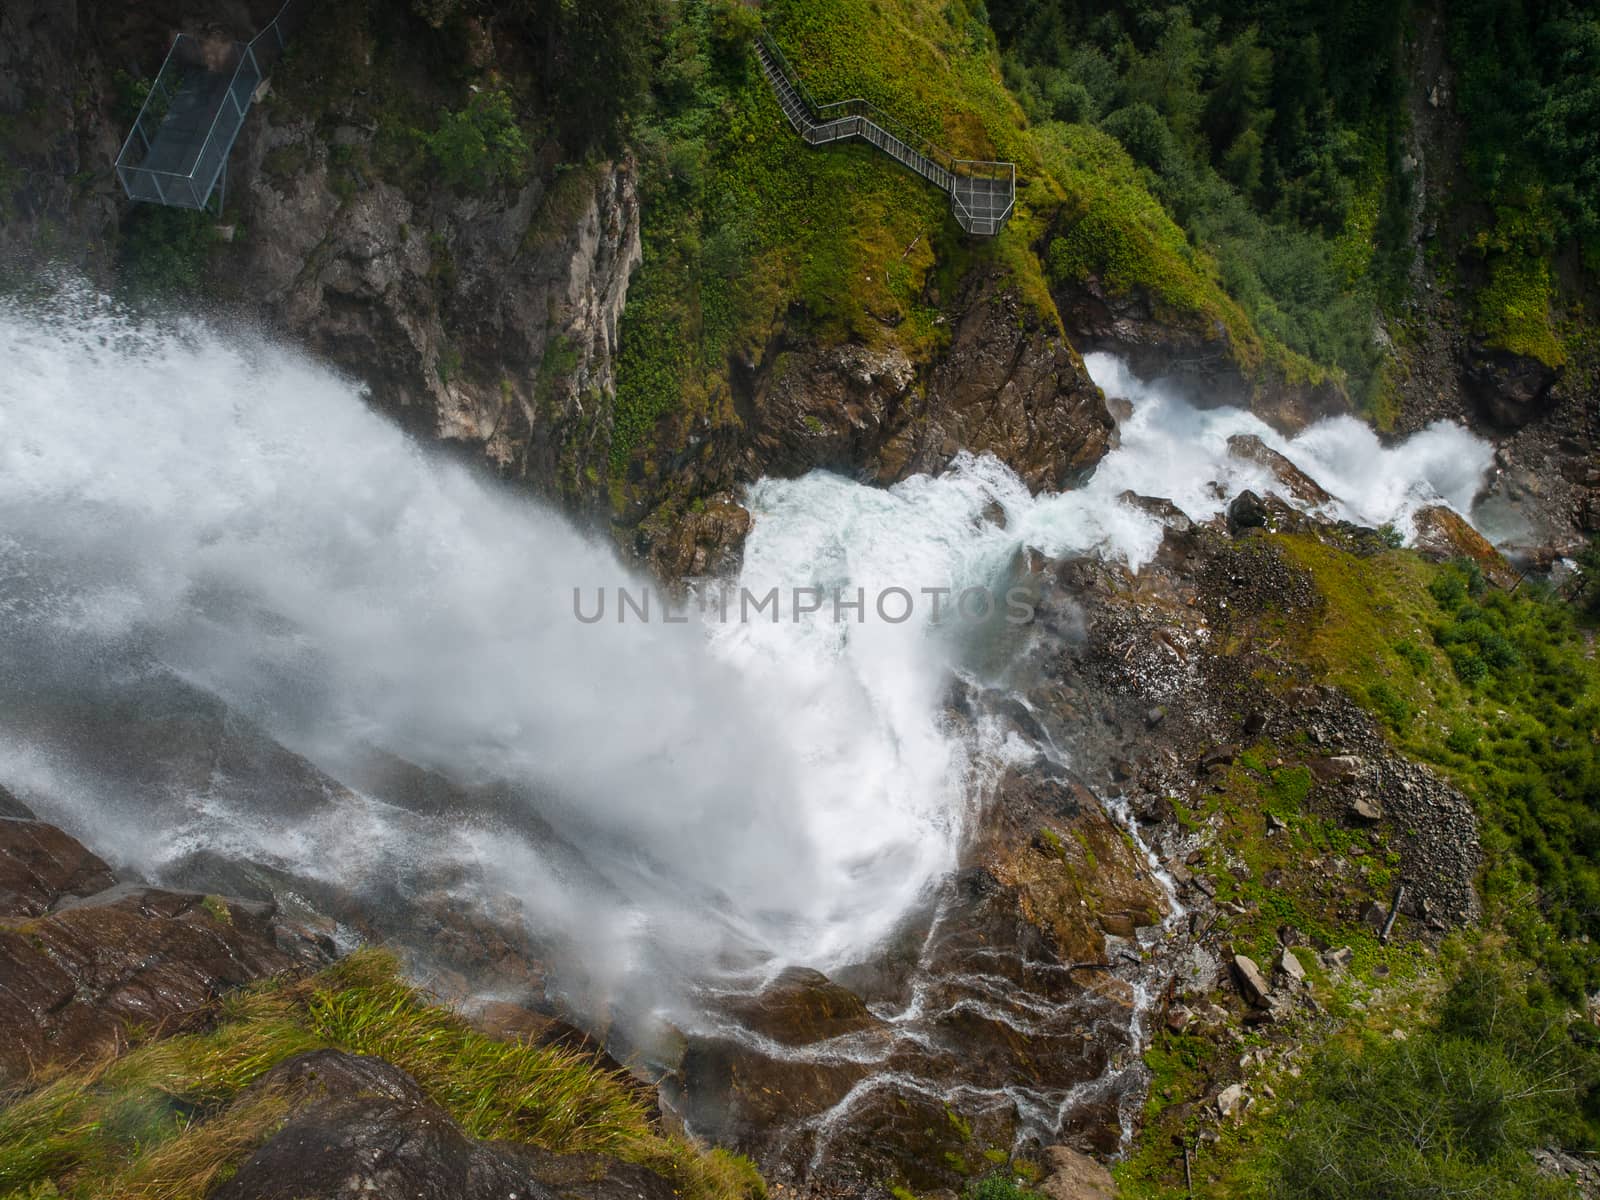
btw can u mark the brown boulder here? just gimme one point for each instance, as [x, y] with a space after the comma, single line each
[76, 981]
[1009, 385]
[39, 865]
[707, 541]
[1443, 534]
[1075, 1176]
[1293, 483]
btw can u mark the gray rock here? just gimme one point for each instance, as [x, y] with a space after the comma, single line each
[1253, 985]
[1229, 1100]
[1290, 966]
[1367, 808]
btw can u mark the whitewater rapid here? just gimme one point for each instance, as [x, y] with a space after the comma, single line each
[180, 502]
[1168, 448]
[175, 499]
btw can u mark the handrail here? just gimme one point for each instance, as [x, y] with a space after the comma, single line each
[859, 117]
[138, 121]
[250, 62]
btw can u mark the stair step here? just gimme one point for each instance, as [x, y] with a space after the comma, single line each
[983, 195]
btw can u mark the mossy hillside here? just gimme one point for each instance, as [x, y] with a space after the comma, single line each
[1263, 883]
[170, 1119]
[1515, 308]
[748, 231]
[1112, 228]
[1437, 1085]
[1500, 693]
[1281, 879]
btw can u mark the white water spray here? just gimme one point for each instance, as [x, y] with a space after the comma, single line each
[701, 803]
[176, 500]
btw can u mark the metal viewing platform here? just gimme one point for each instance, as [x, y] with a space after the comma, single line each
[982, 194]
[177, 152]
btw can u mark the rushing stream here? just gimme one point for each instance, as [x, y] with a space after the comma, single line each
[242, 616]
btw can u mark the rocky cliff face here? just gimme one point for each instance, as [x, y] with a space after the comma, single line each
[488, 322]
[1201, 356]
[1008, 384]
[83, 957]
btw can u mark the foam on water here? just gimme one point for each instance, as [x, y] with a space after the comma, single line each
[212, 505]
[933, 531]
[743, 795]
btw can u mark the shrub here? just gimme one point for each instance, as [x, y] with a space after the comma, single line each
[1143, 134]
[1453, 1110]
[163, 250]
[734, 25]
[481, 145]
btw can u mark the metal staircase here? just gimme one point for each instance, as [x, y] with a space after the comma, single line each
[177, 152]
[982, 194]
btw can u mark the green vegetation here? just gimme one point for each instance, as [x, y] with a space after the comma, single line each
[171, 1118]
[163, 251]
[1001, 1185]
[1269, 134]
[1500, 693]
[480, 145]
[1452, 1110]
[581, 67]
[1271, 879]
[1116, 230]
[1514, 308]
[1528, 81]
[745, 229]
[1585, 588]
[1480, 1075]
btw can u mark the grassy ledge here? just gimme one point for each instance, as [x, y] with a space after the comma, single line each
[170, 1119]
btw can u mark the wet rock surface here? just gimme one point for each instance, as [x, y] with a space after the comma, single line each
[13, 809]
[1442, 534]
[1009, 384]
[999, 1019]
[361, 1127]
[84, 959]
[40, 865]
[1295, 483]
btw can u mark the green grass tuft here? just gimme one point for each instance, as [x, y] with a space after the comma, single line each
[169, 1118]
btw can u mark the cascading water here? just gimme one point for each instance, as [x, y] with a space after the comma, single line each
[200, 530]
[179, 501]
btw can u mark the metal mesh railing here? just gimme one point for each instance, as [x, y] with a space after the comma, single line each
[177, 151]
[982, 194]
